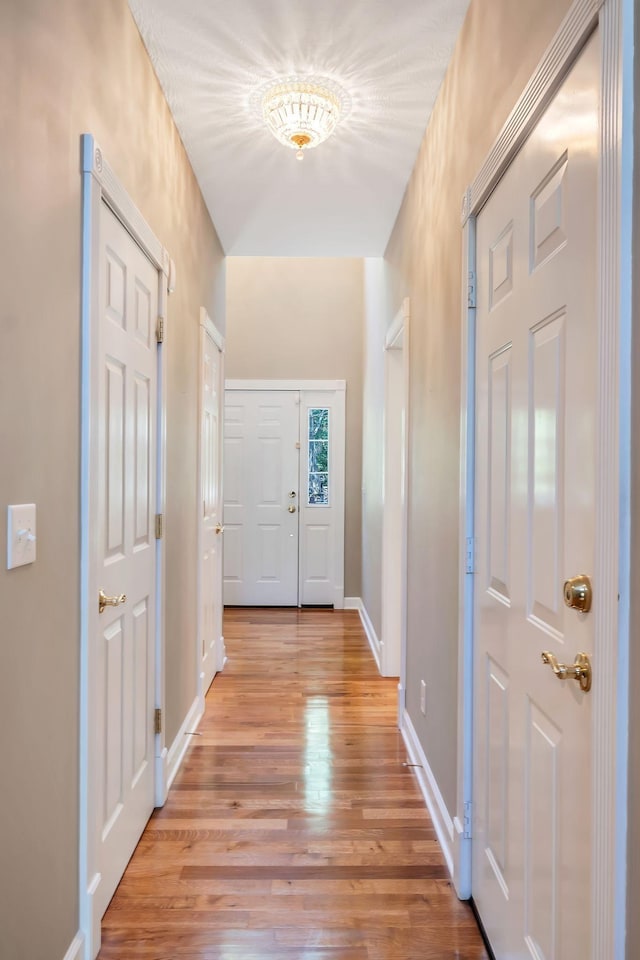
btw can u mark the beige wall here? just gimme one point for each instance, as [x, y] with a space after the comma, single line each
[301, 318]
[498, 49]
[66, 68]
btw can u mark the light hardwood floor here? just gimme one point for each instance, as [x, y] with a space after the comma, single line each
[294, 830]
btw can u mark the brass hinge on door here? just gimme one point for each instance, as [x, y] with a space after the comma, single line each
[157, 720]
[471, 290]
[159, 526]
[470, 556]
[160, 331]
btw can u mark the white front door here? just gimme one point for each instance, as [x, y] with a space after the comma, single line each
[261, 466]
[123, 552]
[211, 401]
[535, 509]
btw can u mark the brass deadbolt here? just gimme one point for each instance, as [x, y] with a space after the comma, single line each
[578, 593]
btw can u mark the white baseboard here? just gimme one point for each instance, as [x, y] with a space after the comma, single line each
[431, 792]
[355, 603]
[180, 745]
[75, 950]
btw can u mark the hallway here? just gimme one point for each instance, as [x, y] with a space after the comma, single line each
[294, 829]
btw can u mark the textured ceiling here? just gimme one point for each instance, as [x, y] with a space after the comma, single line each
[342, 200]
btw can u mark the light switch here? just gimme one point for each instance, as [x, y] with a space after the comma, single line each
[21, 535]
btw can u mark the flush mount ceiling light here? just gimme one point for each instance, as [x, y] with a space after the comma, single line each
[302, 112]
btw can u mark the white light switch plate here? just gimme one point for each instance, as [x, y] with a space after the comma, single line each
[21, 534]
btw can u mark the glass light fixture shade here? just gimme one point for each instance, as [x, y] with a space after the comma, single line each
[302, 113]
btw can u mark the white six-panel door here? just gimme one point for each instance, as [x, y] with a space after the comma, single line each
[210, 589]
[123, 562]
[536, 381]
[261, 454]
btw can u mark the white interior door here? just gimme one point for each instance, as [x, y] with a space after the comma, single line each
[211, 642]
[123, 562]
[261, 465]
[536, 422]
[322, 476]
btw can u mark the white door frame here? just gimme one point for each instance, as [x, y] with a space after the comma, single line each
[611, 572]
[394, 515]
[100, 184]
[313, 386]
[207, 325]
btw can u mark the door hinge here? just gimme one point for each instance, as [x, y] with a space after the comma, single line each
[160, 331]
[159, 526]
[471, 289]
[470, 556]
[468, 822]
[157, 720]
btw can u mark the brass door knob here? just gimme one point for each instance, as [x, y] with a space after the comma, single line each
[578, 593]
[105, 601]
[219, 527]
[292, 509]
[579, 670]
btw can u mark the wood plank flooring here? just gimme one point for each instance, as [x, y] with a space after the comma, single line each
[294, 829]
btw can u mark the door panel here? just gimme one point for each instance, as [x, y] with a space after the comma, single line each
[535, 475]
[499, 442]
[546, 485]
[261, 457]
[124, 451]
[542, 819]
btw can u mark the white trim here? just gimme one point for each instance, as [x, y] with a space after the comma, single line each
[75, 950]
[208, 328]
[440, 816]
[100, 184]
[115, 195]
[613, 488]
[352, 603]
[547, 77]
[355, 603]
[285, 385]
[463, 846]
[161, 790]
[612, 564]
[182, 741]
[396, 329]
[394, 655]
[212, 329]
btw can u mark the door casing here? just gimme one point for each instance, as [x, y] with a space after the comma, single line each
[207, 326]
[394, 517]
[100, 184]
[607, 910]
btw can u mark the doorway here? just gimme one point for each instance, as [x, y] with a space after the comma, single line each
[394, 524]
[211, 650]
[284, 472]
[125, 273]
